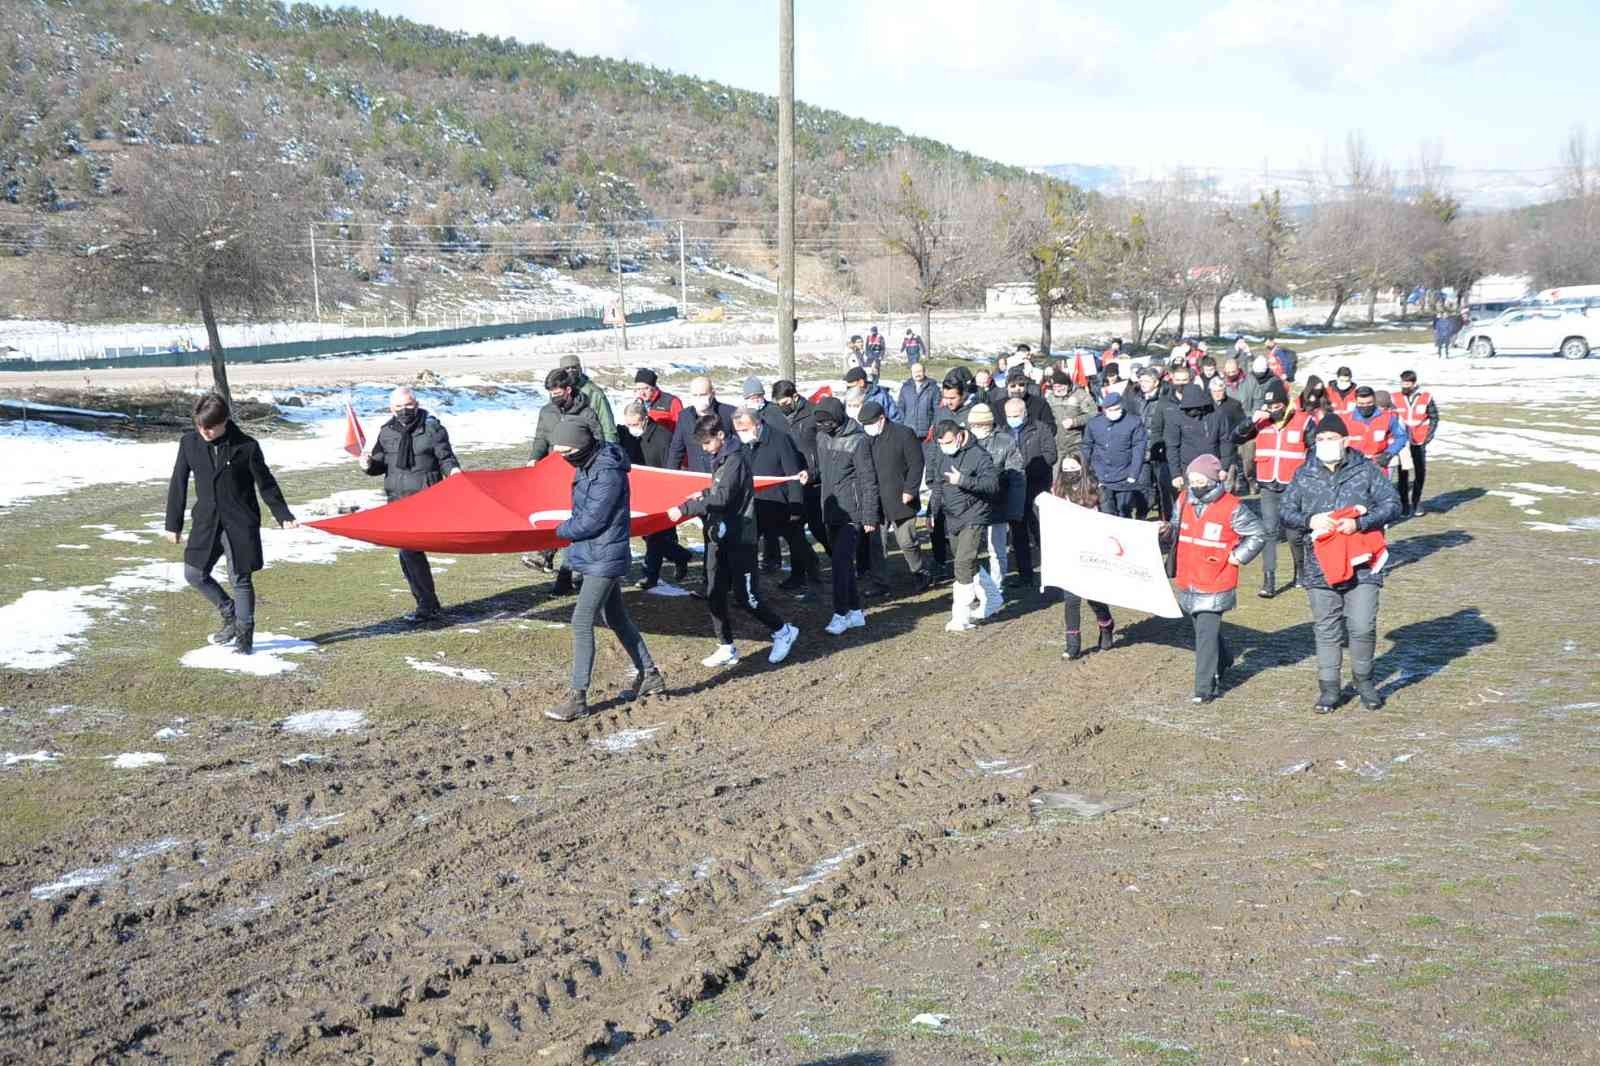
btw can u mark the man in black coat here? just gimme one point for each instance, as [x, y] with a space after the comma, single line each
[228, 471]
[645, 440]
[850, 505]
[780, 510]
[898, 459]
[1199, 429]
[412, 451]
[801, 416]
[685, 453]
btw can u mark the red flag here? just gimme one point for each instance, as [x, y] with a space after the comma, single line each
[822, 393]
[355, 438]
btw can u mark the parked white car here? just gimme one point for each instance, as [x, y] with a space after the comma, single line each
[1534, 331]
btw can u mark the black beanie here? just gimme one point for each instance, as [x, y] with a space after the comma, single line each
[645, 376]
[1192, 397]
[1275, 392]
[569, 434]
[832, 408]
[870, 411]
[1331, 423]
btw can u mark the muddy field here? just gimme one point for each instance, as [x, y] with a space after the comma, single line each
[903, 846]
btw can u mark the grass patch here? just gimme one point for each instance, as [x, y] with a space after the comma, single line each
[1560, 920]
[1424, 976]
[1183, 977]
[1423, 921]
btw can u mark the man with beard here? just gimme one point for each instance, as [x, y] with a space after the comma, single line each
[566, 404]
[412, 451]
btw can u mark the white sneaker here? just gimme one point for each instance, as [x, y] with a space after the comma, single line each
[782, 641]
[857, 619]
[954, 626]
[725, 655]
[838, 624]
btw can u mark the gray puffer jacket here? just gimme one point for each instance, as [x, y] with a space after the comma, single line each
[1356, 481]
[1011, 500]
[1252, 538]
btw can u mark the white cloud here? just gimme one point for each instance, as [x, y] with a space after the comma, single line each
[1345, 42]
[1004, 40]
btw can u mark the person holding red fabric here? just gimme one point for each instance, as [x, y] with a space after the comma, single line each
[1335, 483]
[1215, 536]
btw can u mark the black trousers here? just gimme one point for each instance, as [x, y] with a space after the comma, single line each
[1211, 655]
[731, 574]
[1024, 535]
[1411, 483]
[842, 548]
[419, 576]
[814, 520]
[779, 524]
[941, 541]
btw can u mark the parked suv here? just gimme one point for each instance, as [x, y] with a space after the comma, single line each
[1571, 333]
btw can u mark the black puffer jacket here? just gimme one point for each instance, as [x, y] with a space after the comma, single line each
[1189, 437]
[849, 479]
[776, 455]
[971, 503]
[1356, 481]
[227, 474]
[802, 419]
[432, 458]
[729, 505]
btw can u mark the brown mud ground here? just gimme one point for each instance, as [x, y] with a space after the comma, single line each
[793, 864]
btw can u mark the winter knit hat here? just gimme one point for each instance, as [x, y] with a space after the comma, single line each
[1331, 423]
[570, 362]
[1275, 392]
[645, 376]
[752, 387]
[870, 411]
[981, 412]
[1207, 466]
[574, 435]
[1060, 377]
[830, 407]
[1194, 396]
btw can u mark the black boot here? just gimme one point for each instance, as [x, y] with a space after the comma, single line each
[1106, 635]
[244, 641]
[1297, 551]
[1371, 698]
[1074, 647]
[1269, 583]
[1328, 694]
[575, 706]
[649, 683]
[229, 631]
[563, 585]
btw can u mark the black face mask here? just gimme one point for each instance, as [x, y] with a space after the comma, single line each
[582, 455]
[564, 404]
[827, 425]
[1366, 412]
[407, 416]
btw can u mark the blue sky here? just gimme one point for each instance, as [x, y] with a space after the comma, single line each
[1146, 83]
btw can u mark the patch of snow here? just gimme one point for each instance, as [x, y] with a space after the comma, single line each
[324, 723]
[135, 852]
[1516, 499]
[301, 825]
[125, 536]
[136, 760]
[42, 757]
[625, 739]
[932, 1021]
[39, 629]
[82, 878]
[73, 547]
[266, 662]
[170, 733]
[305, 758]
[482, 677]
[1548, 490]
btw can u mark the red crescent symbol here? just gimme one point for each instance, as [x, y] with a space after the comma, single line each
[1116, 546]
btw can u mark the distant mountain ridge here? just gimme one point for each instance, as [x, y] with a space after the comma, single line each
[1476, 189]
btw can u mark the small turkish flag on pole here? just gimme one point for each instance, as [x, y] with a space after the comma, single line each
[355, 438]
[822, 394]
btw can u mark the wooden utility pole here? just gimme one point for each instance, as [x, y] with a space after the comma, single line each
[316, 289]
[622, 300]
[683, 276]
[786, 189]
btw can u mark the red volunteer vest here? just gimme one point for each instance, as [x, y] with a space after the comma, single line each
[1413, 413]
[1341, 404]
[1204, 545]
[1371, 438]
[1280, 452]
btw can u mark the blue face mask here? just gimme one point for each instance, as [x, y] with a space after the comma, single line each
[1014, 422]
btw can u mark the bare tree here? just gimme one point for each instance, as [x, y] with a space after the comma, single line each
[203, 228]
[1564, 242]
[942, 220]
[1049, 230]
[1268, 241]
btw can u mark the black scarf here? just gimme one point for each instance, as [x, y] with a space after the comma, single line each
[406, 458]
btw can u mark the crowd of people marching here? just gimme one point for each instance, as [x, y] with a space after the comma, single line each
[945, 473]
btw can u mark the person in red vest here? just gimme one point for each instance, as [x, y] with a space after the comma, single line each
[1113, 352]
[1417, 412]
[663, 407]
[1216, 535]
[1374, 432]
[1280, 435]
[1335, 480]
[1342, 391]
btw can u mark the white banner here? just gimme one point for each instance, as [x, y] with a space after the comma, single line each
[1101, 557]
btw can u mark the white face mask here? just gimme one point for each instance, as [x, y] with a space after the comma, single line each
[748, 436]
[754, 403]
[1114, 413]
[1259, 365]
[637, 431]
[982, 432]
[702, 403]
[1199, 485]
[874, 429]
[851, 410]
[949, 449]
[1330, 451]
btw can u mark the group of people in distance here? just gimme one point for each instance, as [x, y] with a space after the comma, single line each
[1184, 440]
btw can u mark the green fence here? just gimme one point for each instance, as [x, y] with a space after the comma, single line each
[341, 346]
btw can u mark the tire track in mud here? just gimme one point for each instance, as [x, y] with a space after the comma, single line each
[494, 892]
